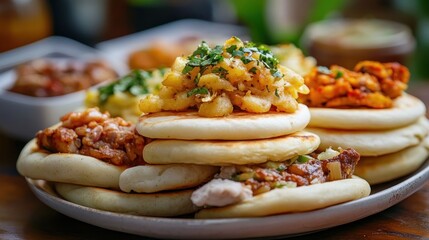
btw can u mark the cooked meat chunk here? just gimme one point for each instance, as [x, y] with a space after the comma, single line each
[95, 134]
[48, 78]
[393, 77]
[264, 177]
[370, 85]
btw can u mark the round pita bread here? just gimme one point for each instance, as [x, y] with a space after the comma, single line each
[373, 143]
[64, 167]
[220, 153]
[166, 204]
[155, 178]
[299, 199]
[83, 170]
[236, 126]
[406, 110]
[392, 166]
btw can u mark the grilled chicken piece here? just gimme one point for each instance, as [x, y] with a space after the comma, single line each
[95, 134]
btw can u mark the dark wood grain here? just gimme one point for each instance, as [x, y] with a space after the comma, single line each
[23, 216]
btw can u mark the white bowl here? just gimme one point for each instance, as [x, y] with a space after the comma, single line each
[22, 116]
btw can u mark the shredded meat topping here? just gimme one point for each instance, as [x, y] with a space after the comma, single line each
[95, 134]
[370, 85]
[263, 178]
[48, 78]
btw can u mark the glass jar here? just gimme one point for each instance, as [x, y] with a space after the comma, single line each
[345, 42]
[23, 22]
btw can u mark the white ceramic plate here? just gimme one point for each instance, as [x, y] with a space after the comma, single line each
[381, 198]
[119, 49]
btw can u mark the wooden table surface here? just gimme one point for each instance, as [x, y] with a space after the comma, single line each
[23, 216]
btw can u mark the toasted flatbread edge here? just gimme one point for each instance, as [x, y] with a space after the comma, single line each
[288, 200]
[236, 126]
[164, 204]
[406, 110]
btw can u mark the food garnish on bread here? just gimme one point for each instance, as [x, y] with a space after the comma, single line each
[215, 80]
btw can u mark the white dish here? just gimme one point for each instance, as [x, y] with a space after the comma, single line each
[22, 116]
[381, 198]
[120, 48]
[49, 47]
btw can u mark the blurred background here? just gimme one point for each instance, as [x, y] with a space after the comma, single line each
[268, 21]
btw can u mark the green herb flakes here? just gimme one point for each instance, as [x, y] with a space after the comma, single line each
[281, 168]
[222, 72]
[133, 83]
[303, 158]
[203, 57]
[198, 90]
[339, 74]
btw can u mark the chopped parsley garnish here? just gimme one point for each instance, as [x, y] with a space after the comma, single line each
[198, 90]
[133, 83]
[253, 70]
[339, 74]
[281, 168]
[276, 73]
[303, 158]
[204, 56]
[266, 57]
[222, 72]
[231, 49]
[277, 93]
[324, 70]
[246, 59]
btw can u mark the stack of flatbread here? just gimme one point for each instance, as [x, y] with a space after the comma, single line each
[184, 151]
[392, 142]
[244, 139]
[231, 107]
[149, 190]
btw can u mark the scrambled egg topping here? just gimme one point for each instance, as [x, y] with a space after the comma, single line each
[215, 80]
[370, 85]
[121, 98]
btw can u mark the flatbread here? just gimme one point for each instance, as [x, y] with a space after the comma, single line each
[166, 204]
[155, 178]
[220, 153]
[84, 170]
[406, 110]
[236, 126]
[374, 143]
[392, 166]
[64, 167]
[287, 200]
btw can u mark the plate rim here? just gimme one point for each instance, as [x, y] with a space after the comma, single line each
[251, 227]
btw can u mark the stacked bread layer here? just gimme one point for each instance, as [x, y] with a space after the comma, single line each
[245, 139]
[385, 138]
[150, 190]
[240, 138]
